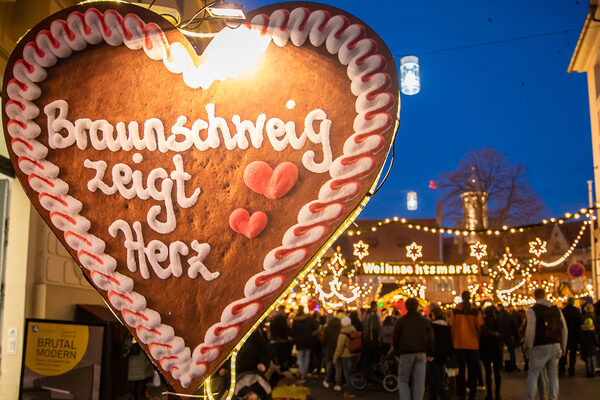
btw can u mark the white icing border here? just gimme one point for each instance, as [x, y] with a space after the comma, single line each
[368, 82]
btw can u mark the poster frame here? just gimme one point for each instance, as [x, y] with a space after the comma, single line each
[28, 321]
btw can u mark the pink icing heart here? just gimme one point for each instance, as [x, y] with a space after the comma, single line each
[250, 226]
[260, 178]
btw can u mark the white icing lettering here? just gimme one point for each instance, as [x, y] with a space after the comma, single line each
[279, 133]
[197, 262]
[308, 159]
[159, 186]
[156, 252]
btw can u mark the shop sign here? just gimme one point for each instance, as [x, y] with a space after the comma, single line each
[370, 268]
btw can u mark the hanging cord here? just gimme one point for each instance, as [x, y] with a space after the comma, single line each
[191, 20]
[388, 170]
[387, 174]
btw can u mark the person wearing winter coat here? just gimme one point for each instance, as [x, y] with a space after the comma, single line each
[466, 324]
[589, 313]
[371, 335]
[387, 330]
[303, 327]
[436, 369]
[573, 319]
[253, 360]
[546, 339]
[414, 344]
[490, 350]
[349, 359]
[280, 333]
[139, 368]
[330, 339]
[589, 344]
[507, 328]
[355, 319]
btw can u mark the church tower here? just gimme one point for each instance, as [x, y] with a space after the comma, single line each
[474, 203]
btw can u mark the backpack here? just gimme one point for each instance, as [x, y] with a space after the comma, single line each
[354, 342]
[548, 325]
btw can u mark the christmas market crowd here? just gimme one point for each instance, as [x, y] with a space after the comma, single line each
[460, 352]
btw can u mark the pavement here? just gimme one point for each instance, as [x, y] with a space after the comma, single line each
[577, 387]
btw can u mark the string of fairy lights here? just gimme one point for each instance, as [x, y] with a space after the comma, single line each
[561, 259]
[508, 266]
[582, 213]
[335, 284]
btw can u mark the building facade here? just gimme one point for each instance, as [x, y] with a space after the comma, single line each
[586, 59]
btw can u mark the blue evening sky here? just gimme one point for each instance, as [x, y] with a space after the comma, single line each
[516, 97]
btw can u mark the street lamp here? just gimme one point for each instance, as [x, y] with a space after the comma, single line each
[410, 77]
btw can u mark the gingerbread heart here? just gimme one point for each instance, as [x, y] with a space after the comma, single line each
[132, 148]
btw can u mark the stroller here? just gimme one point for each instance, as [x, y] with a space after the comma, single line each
[386, 374]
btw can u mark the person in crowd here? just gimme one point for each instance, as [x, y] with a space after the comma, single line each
[589, 344]
[414, 344]
[348, 358]
[491, 346]
[139, 368]
[253, 361]
[280, 336]
[303, 327]
[572, 317]
[546, 339]
[466, 324]
[387, 330]
[315, 352]
[520, 316]
[371, 335]
[507, 328]
[588, 312]
[330, 339]
[436, 368]
[354, 317]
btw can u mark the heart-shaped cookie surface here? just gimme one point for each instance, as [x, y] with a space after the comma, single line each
[133, 150]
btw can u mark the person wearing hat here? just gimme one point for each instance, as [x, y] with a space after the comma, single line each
[588, 339]
[330, 339]
[342, 351]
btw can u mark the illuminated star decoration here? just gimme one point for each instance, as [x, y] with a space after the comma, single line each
[506, 266]
[537, 247]
[413, 251]
[478, 250]
[361, 249]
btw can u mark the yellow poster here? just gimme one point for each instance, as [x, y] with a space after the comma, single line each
[54, 349]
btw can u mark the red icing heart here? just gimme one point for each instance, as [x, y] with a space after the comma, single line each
[248, 225]
[259, 177]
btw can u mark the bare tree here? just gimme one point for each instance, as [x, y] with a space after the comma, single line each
[510, 198]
